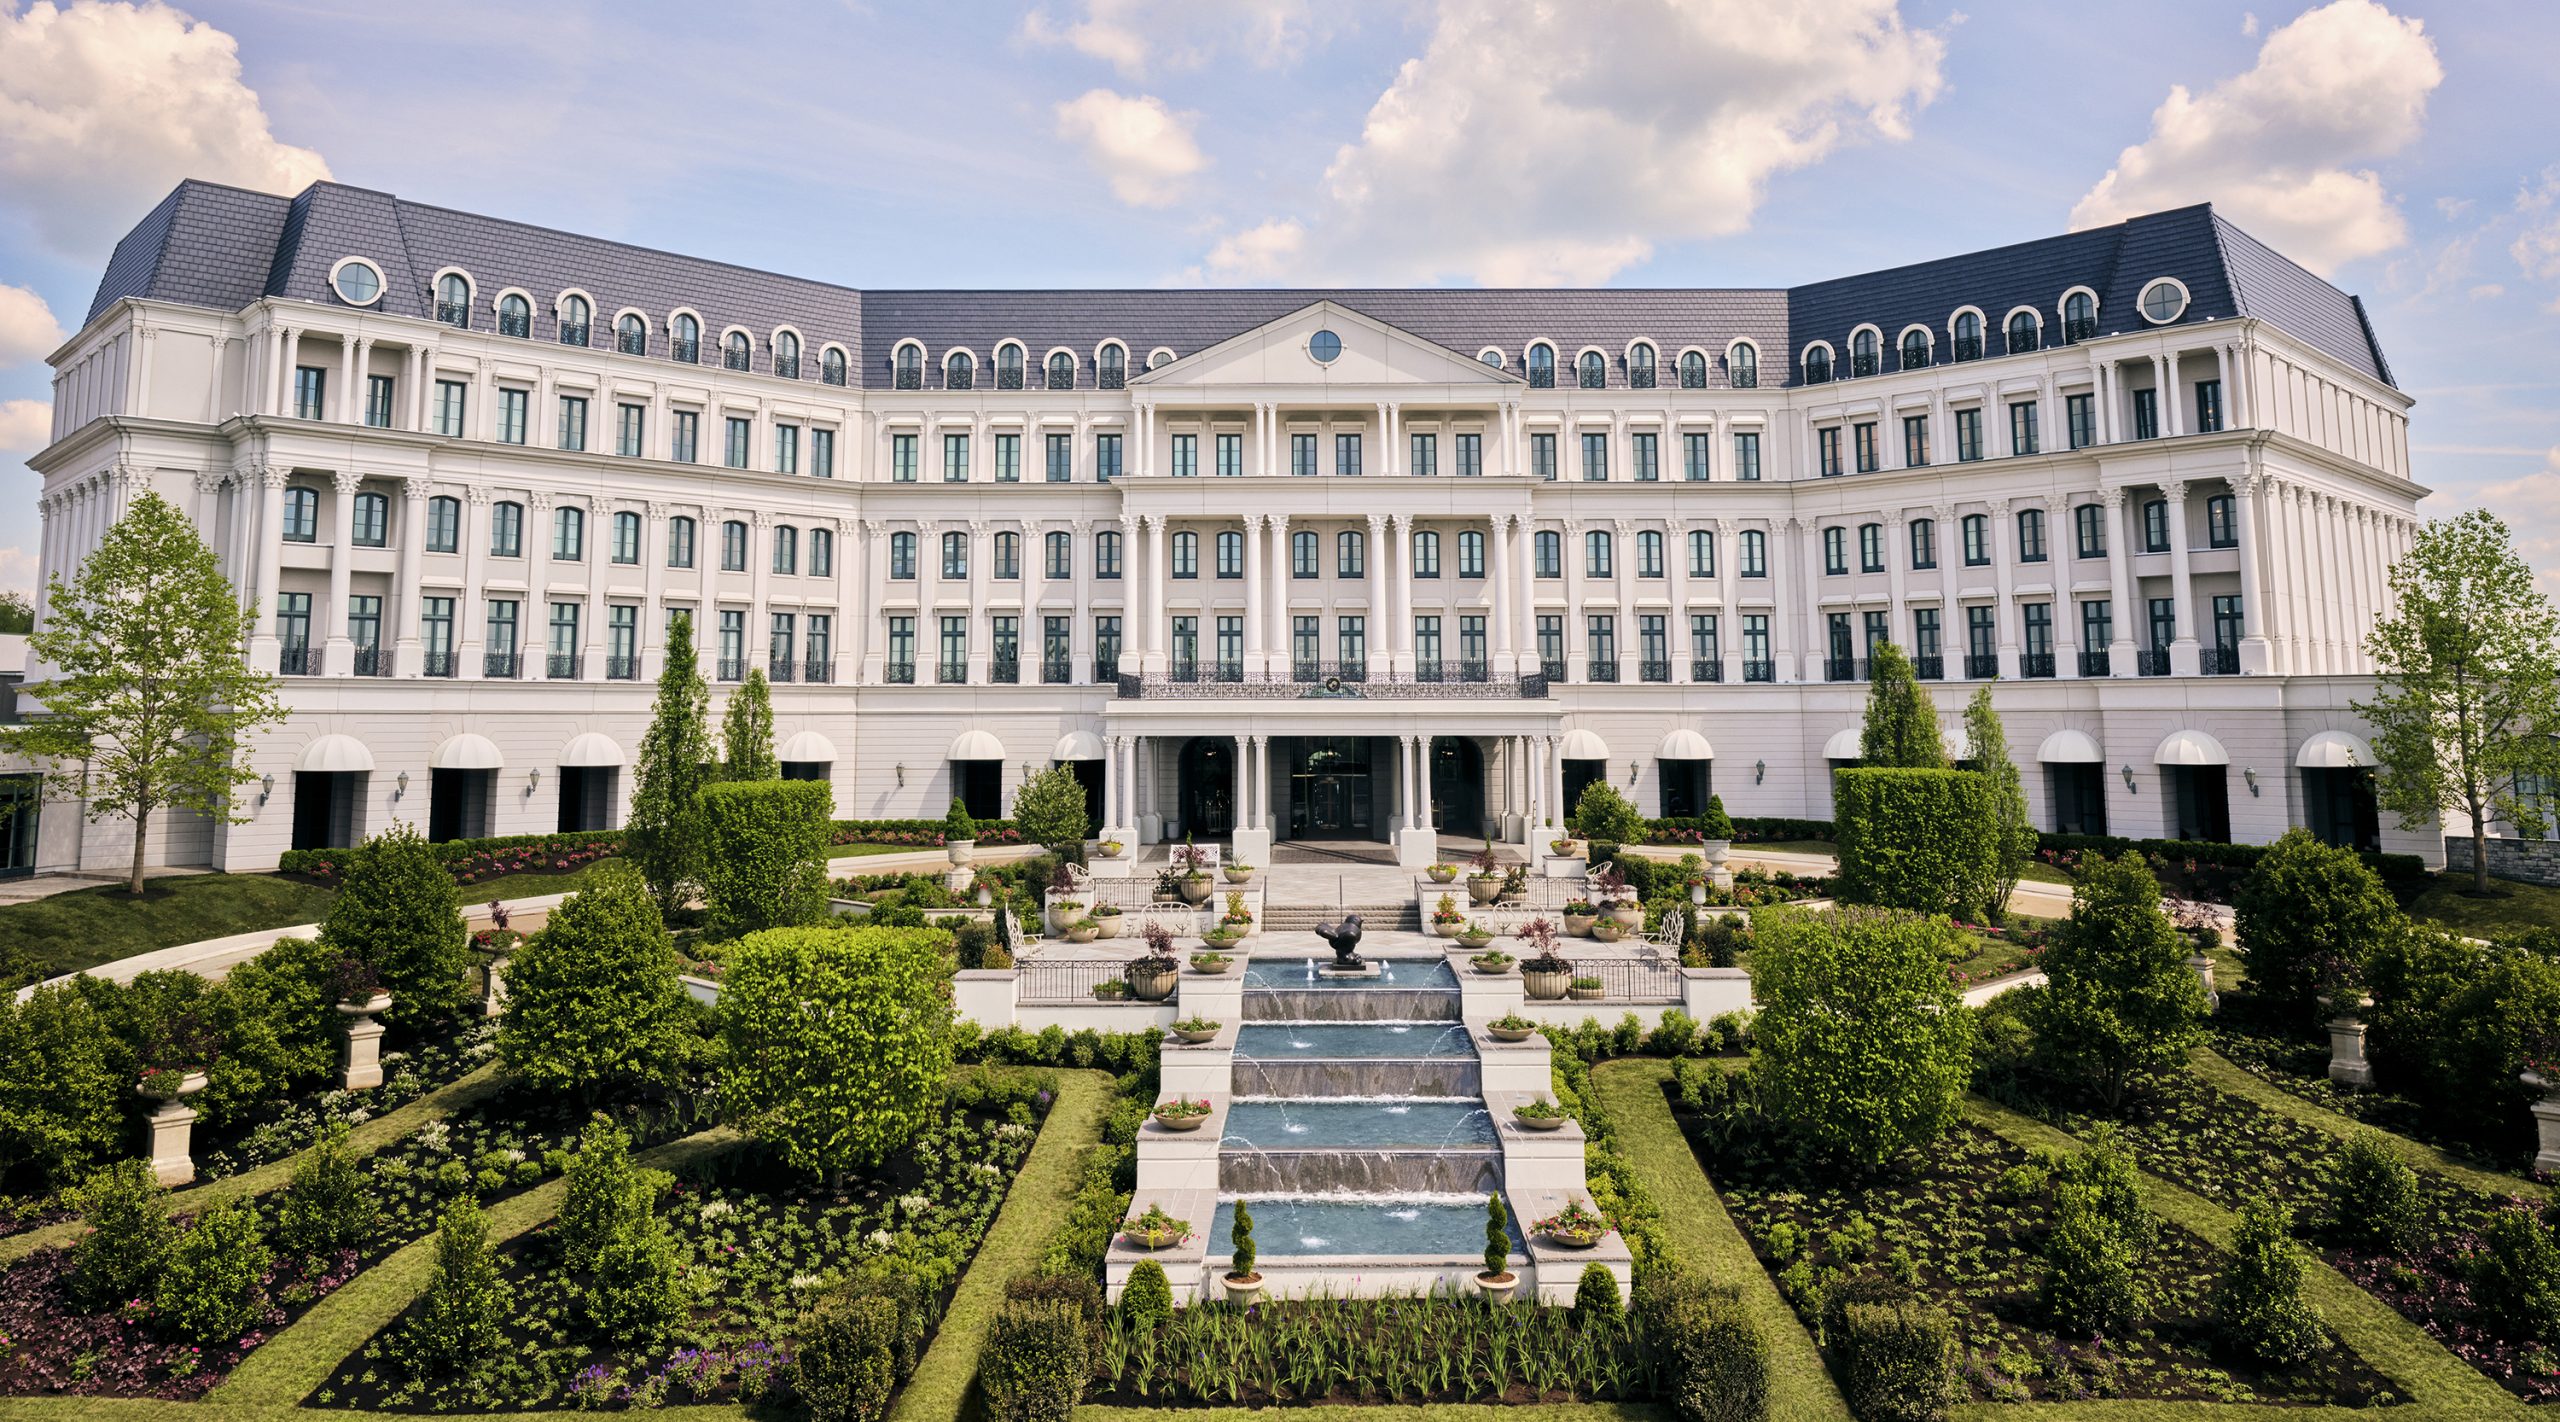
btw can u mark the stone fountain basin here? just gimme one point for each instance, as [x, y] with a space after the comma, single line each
[1360, 1228]
[1337, 1124]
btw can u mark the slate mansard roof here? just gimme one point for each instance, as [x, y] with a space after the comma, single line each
[224, 248]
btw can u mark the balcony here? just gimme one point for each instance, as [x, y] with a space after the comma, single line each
[372, 661]
[562, 666]
[2084, 329]
[632, 343]
[1005, 671]
[292, 660]
[1350, 681]
[2095, 664]
[1640, 379]
[1552, 668]
[1601, 669]
[685, 353]
[1112, 378]
[1056, 671]
[2151, 661]
[779, 668]
[499, 666]
[736, 358]
[1844, 669]
[909, 378]
[1106, 669]
[1860, 366]
[1008, 377]
[2022, 342]
[959, 379]
[1542, 378]
[1929, 668]
[622, 668]
[732, 669]
[1982, 666]
[788, 367]
[2036, 664]
[1968, 348]
[454, 314]
[573, 335]
[1310, 673]
[520, 327]
[899, 674]
[818, 671]
[2218, 661]
[1448, 671]
[1759, 671]
[1706, 669]
[951, 673]
[439, 664]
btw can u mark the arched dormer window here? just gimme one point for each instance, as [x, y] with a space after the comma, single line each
[1062, 371]
[1915, 350]
[575, 316]
[1968, 341]
[685, 340]
[1592, 371]
[1640, 366]
[2079, 317]
[453, 300]
[786, 355]
[910, 367]
[960, 372]
[831, 366]
[1008, 366]
[1744, 366]
[1862, 353]
[1693, 370]
[737, 351]
[1542, 366]
[631, 334]
[1113, 366]
[1817, 365]
[2023, 336]
[515, 316]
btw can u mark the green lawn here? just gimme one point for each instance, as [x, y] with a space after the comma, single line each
[864, 851]
[1822, 847]
[2447, 900]
[85, 927]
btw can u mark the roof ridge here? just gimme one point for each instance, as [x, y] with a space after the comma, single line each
[401, 202]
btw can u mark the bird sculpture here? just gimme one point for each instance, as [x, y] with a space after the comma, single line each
[1345, 940]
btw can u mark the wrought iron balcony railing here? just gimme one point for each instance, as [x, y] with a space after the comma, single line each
[1706, 669]
[1982, 666]
[818, 671]
[1759, 671]
[2035, 664]
[2218, 661]
[438, 664]
[292, 660]
[2095, 663]
[622, 668]
[2151, 661]
[499, 666]
[732, 669]
[562, 666]
[899, 674]
[1930, 668]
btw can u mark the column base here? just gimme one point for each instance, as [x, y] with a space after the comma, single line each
[1251, 846]
[1417, 848]
[364, 1055]
[2257, 656]
[2183, 659]
[1115, 866]
[408, 657]
[1150, 828]
[2347, 1064]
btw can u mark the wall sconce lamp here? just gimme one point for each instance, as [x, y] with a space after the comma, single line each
[2250, 774]
[2128, 776]
[1635, 768]
[1759, 771]
[400, 785]
[902, 775]
[266, 788]
[533, 780]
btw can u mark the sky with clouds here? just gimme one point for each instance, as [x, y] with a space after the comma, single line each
[2394, 145]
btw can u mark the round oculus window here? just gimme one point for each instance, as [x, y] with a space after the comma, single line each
[357, 283]
[1491, 357]
[2163, 302]
[1325, 346]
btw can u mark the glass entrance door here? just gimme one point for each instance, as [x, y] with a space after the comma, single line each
[1331, 789]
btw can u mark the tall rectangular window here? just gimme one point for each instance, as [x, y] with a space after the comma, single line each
[1008, 459]
[2146, 414]
[1977, 540]
[573, 422]
[684, 443]
[2038, 618]
[902, 459]
[564, 638]
[1826, 443]
[1351, 643]
[435, 629]
[733, 643]
[1542, 455]
[1868, 457]
[1981, 640]
[2097, 624]
[1703, 640]
[822, 454]
[364, 622]
[2208, 406]
[1924, 632]
[1924, 543]
[1061, 458]
[511, 415]
[1647, 449]
[1835, 552]
[629, 426]
[1702, 553]
[2090, 524]
[1694, 456]
[954, 659]
[1302, 457]
[1106, 457]
[377, 401]
[955, 459]
[2080, 414]
[500, 639]
[2022, 427]
[1106, 643]
[1426, 640]
[1306, 642]
[1870, 548]
[786, 449]
[622, 641]
[740, 433]
[1470, 452]
[1595, 457]
[2155, 526]
[1346, 455]
[452, 405]
[1426, 456]
[2221, 522]
[1186, 457]
[506, 530]
[1653, 648]
[2030, 535]
[1230, 456]
[1755, 553]
[1746, 457]
[1551, 645]
[310, 392]
[1968, 434]
[1600, 631]
[1185, 648]
[1915, 442]
[444, 525]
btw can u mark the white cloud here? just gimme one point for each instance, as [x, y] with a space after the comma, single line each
[27, 328]
[1144, 148]
[2273, 149]
[2537, 248]
[1134, 35]
[1553, 143]
[105, 107]
[25, 427]
[2531, 507]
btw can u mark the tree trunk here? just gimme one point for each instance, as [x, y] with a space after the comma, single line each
[141, 837]
[2479, 852]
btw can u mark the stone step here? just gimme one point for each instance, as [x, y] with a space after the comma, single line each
[1374, 918]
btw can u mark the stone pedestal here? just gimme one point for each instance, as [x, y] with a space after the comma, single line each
[364, 1054]
[1250, 846]
[172, 1132]
[1417, 848]
[2546, 1124]
[493, 987]
[2347, 1065]
[2203, 967]
[959, 879]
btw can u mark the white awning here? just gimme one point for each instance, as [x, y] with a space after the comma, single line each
[1847, 743]
[1583, 745]
[1078, 745]
[334, 753]
[467, 751]
[2068, 748]
[591, 749]
[1685, 745]
[807, 748]
[2190, 748]
[975, 745]
[2335, 750]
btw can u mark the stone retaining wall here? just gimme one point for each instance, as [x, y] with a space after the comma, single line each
[2527, 861]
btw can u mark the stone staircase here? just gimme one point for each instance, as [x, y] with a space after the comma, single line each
[1374, 918]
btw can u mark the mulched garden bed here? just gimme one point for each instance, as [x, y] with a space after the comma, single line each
[1940, 1222]
[425, 1059]
[761, 1243]
[2298, 1063]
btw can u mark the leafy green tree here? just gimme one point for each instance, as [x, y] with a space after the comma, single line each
[398, 913]
[61, 1096]
[1603, 816]
[604, 1191]
[765, 863]
[151, 692]
[1049, 811]
[1862, 1053]
[213, 1284]
[746, 732]
[2308, 915]
[2467, 684]
[17, 613]
[613, 1241]
[128, 1237]
[2373, 1199]
[838, 1039]
[2013, 830]
[461, 1321]
[593, 999]
[663, 835]
[330, 1206]
[2258, 1303]
[2119, 999]
[1901, 730]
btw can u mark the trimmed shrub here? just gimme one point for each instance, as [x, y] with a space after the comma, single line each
[2453, 1024]
[837, 1040]
[61, 1097]
[605, 1193]
[1037, 1361]
[1604, 816]
[885, 1279]
[2306, 916]
[746, 731]
[1916, 839]
[1049, 810]
[2515, 1277]
[1897, 1359]
[330, 1206]
[128, 1238]
[2091, 1270]
[847, 1360]
[2258, 1304]
[1862, 1049]
[593, 1001]
[2373, 1196]
[1147, 1299]
[289, 986]
[396, 913]
[2119, 999]
[1714, 1361]
[1595, 1297]
[764, 854]
[637, 1292]
[212, 1286]
[458, 1324]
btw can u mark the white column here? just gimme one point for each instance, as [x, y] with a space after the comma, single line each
[1506, 660]
[288, 348]
[1256, 664]
[1728, 614]
[406, 649]
[852, 629]
[1381, 613]
[1816, 644]
[533, 631]
[1154, 603]
[2182, 655]
[414, 376]
[2004, 570]
[351, 372]
[472, 609]
[1524, 602]
[1623, 536]
[2246, 507]
[2325, 518]
[599, 565]
[338, 650]
[1277, 641]
[1400, 590]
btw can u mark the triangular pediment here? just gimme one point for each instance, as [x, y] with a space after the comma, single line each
[1283, 353]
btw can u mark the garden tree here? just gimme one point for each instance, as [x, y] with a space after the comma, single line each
[765, 853]
[604, 1192]
[2013, 830]
[61, 1096]
[17, 613]
[746, 732]
[461, 1320]
[2373, 1197]
[1862, 1053]
[2119, 1000]
[845, 1358]
[397, 913]
[2258, 1303]
[128, 1237]
[290, 983]
[1603, 816]
[2454, 1022]
[2100, 1234]
[1038, 1359]
[594, 1003]
[330, 1206]
[1920, 840]
[2467, 684]
[150, 691]
[1049, 810]
[2307, 916]
[837, 1040]
[212, 1285]
[663, 835]
[1902, 723]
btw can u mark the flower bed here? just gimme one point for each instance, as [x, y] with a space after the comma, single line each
[441, 1056]
[760, 1245]
[1941, 1223]
[2298, 1064]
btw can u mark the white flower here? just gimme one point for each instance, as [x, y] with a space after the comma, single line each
[1013, 1128]
[513, 1155]
[914, 1204]
[807, 1281]
[879, 1239]
[390, 1057]
[986, 1169]
[714, 1209]
[359, 1116]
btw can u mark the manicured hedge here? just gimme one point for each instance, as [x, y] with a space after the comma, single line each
[1691, 829]
[472, 860]
[2197, 854]
[1916, 839]
[766, 865]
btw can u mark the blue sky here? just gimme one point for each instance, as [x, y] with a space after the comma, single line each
[2398, 146]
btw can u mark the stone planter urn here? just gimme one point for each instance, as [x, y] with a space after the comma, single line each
[962, 851]
[364, 1042]
[173, 1124]
[1511, 1034]
[2546, 1122]
[1243, 1290]
[1540, 1123]
[1579, 924]
[1547, 985]
[1448, 928]
[1475, 941]
[2347, 1064]
[1484, 888]
[1566, 848]
[1183, 1123]
[1062, 914]
[1196, 888]
[1152, 980]
[1588, 994]
[1607, 930]
[1498, 1287]
[1238, 873]
[1442, 873]
[1629, 916]
[493, 984]
[1083, 930]
[1107, 925]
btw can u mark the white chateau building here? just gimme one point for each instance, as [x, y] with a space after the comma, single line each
[1263, 565]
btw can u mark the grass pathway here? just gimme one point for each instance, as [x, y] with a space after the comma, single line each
[1706, 1239]
[2219, 1071]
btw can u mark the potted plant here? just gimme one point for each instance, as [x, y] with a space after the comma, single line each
[1222, 937]
[1107, 917]
[1064, 912]
[1587, 989]
[1442, 873]
[1545, 975]
[1717, 829]
[1540, 1115]
[1193, 882]
[1497, 1280]
[1181, 1114]
[959, 833]
[1611, 898]
[1168, 885]
[1238, 917]
[1083, 930]
[1154, 1229]
[1484, 881]
[1607, 929]
[1493, 964]
[1115, 990]
[1445, 918]
[1515, 884]
[1193, 1031]
[1210, 962]
[166, 1084]
[1579, 915]
[1566, 848]
[1110, 848]
[1576, 1226]
[1237, 873]
[1474, 935]
[1152, 977]
[984, 887]
[1243, 1282]
[356, 989]
[1511, 1027]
